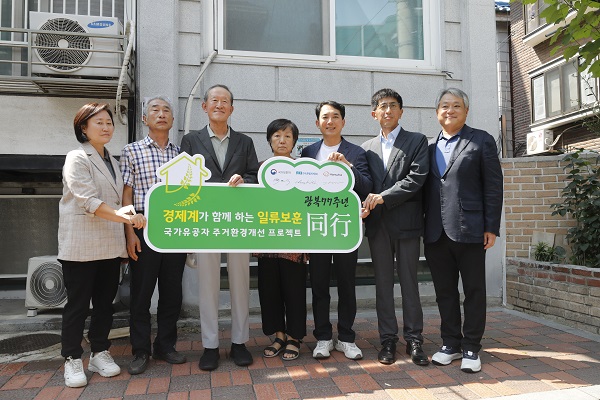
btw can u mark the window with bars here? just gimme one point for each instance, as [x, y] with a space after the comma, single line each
[15, 13]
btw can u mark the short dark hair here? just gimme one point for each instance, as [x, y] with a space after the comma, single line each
[218, 85]
[334, 104]
[84, 114]
[382, 94]
[280, 125]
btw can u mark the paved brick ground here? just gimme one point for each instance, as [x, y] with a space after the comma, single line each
[521, 356]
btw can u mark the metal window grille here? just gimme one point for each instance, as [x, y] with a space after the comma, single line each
[15, 13]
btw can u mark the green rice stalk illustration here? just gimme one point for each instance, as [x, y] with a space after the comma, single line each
[185, 182]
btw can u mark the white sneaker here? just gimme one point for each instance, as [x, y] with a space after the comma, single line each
[350, 350]
[470, 362]
[74, 375]
[446, 355]
[323, 349]
[103, 364]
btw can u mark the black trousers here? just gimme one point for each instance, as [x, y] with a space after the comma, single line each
[97, 281]
[344, 266]
[167, 269]
[282, 294]
[447, 261]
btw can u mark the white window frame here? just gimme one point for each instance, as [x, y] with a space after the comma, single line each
[431, 49]
[259, 54]
[565, 112]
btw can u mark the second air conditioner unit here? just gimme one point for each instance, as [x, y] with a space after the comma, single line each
[539, 141]
[66, 54]
[45, 286]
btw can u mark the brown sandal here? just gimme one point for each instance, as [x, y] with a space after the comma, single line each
[274, 350]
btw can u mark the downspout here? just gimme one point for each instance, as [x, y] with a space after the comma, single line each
[121, 110]
[188, 105]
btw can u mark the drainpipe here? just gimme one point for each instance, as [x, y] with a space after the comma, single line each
[188, 105]
[120, 110]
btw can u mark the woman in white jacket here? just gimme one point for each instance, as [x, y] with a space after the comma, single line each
[91, 242]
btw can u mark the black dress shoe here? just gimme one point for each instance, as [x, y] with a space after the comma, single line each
[139, 363]
[416, 353]
[172, 357]
[387, 355]
[209, 359]
[240, 354]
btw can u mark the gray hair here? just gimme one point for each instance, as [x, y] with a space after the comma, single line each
[148, 100]
[454, 92]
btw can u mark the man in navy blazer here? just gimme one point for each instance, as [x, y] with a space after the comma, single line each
[399, 163]
[333, 147]
[463, 206]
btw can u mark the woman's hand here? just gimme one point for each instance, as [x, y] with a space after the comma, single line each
[128, 212]
[138, 221]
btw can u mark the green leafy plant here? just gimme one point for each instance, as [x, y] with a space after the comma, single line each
[578, 30]
[544, 252]
[581, 200]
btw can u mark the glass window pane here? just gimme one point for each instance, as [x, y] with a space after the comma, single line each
[120, 11]
[277, 26]
[95, 8]
[379, 28]
[570, 89]
[70, 7]
[589, 86]
[5, 17]
[107, 8]
[539, 98]
[82, 7]
[553, 92]
[58, 7]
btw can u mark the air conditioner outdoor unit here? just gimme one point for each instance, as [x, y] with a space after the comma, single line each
[83, 55]
[539, 141]
[45, 284]
[45, 287]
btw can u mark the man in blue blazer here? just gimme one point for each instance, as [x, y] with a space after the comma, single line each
[333, 147]
[399, 163]
[463, 206]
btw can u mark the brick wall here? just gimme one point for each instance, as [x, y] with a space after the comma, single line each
[568, 294]
[525, 59]
[531, 185]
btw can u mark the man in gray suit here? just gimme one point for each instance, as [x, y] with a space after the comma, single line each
[463, 206]
[231, 159]
[399, 165]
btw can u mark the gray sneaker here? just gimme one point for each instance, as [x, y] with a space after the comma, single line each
[470, 362]
[446, 355]
[323, 349]
[350, 349]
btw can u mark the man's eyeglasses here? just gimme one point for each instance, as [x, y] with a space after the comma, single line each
[385, 106]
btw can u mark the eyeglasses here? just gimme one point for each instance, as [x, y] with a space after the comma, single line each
[385, 106]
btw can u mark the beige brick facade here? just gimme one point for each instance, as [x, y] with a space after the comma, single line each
[531, 185]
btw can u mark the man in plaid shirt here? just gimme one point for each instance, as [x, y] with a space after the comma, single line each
[139, 162]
